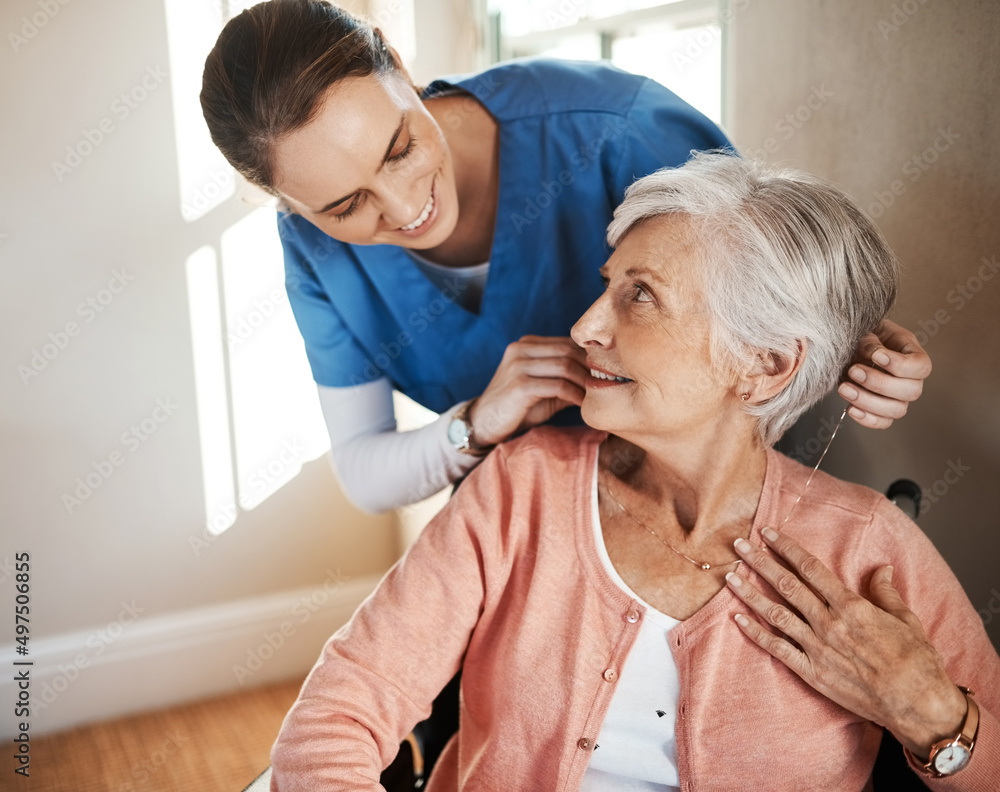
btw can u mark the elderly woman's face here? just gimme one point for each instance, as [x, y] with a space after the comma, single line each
[647, 337]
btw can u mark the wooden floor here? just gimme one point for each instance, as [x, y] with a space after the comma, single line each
[216, 745]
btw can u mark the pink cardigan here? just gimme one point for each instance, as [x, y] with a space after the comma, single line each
[507, 584]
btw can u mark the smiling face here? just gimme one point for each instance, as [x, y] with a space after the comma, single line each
[372, 166]
[648, 339]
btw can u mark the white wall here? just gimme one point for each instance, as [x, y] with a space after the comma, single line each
[450, 38]
[61, 242]
[897, 102]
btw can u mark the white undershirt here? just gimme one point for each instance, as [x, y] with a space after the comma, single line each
[378, 467]
[471, 280]
[636, 750]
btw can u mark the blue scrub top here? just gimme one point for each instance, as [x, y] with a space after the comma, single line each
[572, 137]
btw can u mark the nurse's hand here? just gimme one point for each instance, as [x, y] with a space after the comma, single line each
[537, 377]
[870, 656]
[887, 373]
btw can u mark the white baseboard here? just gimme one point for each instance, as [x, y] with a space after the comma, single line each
[147, 662]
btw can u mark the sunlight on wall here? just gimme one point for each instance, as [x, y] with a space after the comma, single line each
[276, 414]
[258, 413]
[206, 180]
[210, 388]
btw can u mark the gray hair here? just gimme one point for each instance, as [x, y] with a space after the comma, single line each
[788, 257]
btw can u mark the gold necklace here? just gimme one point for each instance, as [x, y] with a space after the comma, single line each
[700, 564]
[815, 467]
[705, 565]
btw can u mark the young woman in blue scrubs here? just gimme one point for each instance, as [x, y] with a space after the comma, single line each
[442, 241]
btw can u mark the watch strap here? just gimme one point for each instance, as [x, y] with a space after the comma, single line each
[966, 737]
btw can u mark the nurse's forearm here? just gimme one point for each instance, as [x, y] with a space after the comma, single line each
[378, 467]
[391, 469]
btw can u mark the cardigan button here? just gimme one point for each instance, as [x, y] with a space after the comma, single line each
[584, 744]
[632, 616]
[610, 675]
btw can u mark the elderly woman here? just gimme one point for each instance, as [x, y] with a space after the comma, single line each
[607, 591]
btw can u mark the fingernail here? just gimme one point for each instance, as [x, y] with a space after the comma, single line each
[858, 373]
[854, 412]
[733, 579]
[880, 357]
[742, 545]
[742, 620]
[848, 392]
[888, 573]
[770, 534]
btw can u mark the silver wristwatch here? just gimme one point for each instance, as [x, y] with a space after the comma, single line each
[462, 435]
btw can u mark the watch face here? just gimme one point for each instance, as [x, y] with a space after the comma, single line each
[951, 759]
[458, 433]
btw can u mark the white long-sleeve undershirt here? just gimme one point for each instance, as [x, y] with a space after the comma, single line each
[380, 468]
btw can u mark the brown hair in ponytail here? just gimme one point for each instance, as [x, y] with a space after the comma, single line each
[270, 67]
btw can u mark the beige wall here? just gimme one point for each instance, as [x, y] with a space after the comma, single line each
[140, 539]
[60, 242]
[898, 102]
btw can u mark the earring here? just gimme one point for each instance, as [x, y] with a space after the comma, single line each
[744, 396]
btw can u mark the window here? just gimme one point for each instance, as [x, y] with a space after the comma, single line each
[678, 44]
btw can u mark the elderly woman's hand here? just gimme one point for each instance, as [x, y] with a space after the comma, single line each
[870, 657]
[880, 393]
